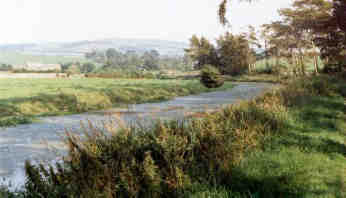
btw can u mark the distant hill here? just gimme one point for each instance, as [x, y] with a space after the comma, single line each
[79, 48]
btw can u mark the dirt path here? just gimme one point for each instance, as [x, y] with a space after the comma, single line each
[25, 142]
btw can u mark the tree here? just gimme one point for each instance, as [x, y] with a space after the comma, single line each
[231, 56]
[151, 60]
[223, 10]
[340, 13]
[233, 52]
[73, 69]
[6, 67]
[294, 37]
[87, 68]
[202, 52]
[111, 54]
[326, 22]
[251, 36]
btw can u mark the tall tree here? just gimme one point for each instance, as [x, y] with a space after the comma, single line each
[329, 32]
[223, 8]
[231, 55]
[340, 13]
[234, 53]
[151, 60]
[254, 42]
[202, 52]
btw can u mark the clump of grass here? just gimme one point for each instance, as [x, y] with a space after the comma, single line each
[14, 120]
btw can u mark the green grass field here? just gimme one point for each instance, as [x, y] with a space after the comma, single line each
[19, 58]
[309, 64]
[21, 99]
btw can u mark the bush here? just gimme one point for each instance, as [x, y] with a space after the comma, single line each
[211, 77]
[334, 67]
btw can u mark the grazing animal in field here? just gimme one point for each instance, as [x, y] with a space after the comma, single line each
[63, 75]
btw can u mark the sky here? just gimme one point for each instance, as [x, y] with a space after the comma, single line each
[35, 21]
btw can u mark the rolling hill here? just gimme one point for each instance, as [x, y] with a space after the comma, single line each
[76, 50]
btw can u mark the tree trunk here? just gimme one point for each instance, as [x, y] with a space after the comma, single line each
[266, 53]
[296, 65]
[278, 58]
[316, 64]
[302, 65]
[315, 57]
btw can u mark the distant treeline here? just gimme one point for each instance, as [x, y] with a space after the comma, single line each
[131, 60]
[6, 67]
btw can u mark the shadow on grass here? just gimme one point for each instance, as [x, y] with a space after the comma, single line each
[312, 144]
[265, 186]
[315, 124]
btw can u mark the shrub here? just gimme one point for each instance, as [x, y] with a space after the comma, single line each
[342, 90]
[211, 77]
[14, 120]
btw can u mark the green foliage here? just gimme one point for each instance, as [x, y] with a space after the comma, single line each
[73, 69]
[202, 52]
[7, 121]
[6, 67]
[87, 67]
[211, 77]
[112, 59]
[232, 54]
[151, 60]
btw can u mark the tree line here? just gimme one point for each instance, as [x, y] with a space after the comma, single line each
[309, 30]
[131, 60]
[232, 54]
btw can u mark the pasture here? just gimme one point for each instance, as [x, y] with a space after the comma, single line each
[27, 98]
[20, 58]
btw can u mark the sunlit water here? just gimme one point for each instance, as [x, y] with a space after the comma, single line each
[43, 141]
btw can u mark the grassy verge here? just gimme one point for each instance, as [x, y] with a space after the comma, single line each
[21, 100]
[269, 78]
[290, 142]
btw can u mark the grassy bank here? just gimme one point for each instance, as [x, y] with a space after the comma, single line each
[268, 78]
[288, 143]
[21, 100]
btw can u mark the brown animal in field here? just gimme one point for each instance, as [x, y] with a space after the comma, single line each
[63, 75]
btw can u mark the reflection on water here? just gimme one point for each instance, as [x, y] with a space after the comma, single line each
[14, 181]
[43, 141]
